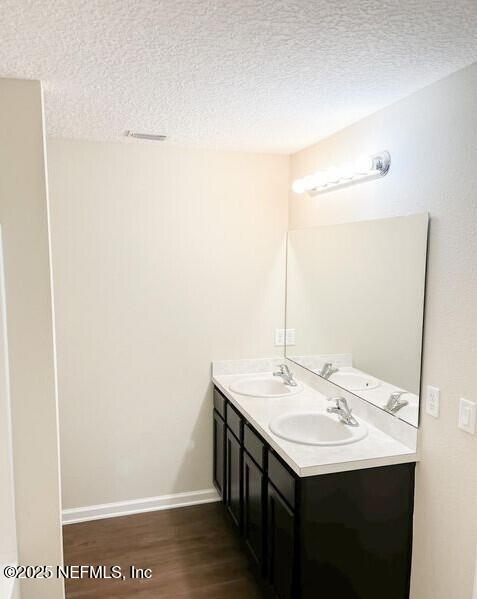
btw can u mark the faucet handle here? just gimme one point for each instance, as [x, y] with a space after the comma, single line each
[287, 375]
[343, 410]
[397, 395]
[340, 402]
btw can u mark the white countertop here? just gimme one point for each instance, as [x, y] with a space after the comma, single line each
[377, 449]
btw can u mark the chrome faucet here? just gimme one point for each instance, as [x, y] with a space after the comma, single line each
[286, 374]
[328, 370]
[343, 410]
[395, 403]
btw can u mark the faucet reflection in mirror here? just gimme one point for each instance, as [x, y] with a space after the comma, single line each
[355, 295]
[395, 403]
[328, 370]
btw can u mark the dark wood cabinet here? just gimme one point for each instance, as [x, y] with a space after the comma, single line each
[233, 477]
[356, 532]
[344, 534]
[253, 510]
[219, 453]
[281, 545]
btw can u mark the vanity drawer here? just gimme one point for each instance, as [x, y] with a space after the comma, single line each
[253, 445]
[234, 421]
[219, 402]
[283, 480]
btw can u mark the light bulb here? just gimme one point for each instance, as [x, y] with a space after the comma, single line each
[320, 178]
[347, 170]
[309, 182]
[363, 165]
[333, 175]
[298, 186]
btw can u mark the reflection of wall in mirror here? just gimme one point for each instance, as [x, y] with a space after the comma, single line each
[358, 288]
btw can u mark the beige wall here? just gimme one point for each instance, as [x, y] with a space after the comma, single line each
[164, 260]
[24, 221]
[432, 140]
[8, 535]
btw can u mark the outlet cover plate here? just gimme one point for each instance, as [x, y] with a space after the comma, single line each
[433, 401]
[290, 336]
[279, 337]
[285, 337]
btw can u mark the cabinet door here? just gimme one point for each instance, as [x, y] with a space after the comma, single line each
[219, 453]
[281, 545]
[253, 498]
[233, 478]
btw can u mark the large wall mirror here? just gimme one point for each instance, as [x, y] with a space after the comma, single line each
[355, 297]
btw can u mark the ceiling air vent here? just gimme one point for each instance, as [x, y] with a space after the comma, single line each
[149, 136]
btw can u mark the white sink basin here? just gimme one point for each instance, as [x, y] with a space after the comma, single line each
[354, 381]
[265, 386]
[316, 428]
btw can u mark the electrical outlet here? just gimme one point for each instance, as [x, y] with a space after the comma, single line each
[433, 401]
[279, 337]
[467, 414]
[290, 336]
[285, 337]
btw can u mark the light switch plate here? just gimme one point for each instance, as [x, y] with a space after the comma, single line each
[433, 401]
[467, 415]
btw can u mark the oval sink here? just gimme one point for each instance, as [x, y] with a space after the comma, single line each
[268, 386]
[354, 381]
[316, 428]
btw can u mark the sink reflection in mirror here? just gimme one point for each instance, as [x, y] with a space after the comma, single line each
[353, 379]
[355, 297]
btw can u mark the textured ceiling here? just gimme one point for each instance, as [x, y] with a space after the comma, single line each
[270, 75]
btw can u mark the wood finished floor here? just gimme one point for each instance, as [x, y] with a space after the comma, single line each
[193, 552]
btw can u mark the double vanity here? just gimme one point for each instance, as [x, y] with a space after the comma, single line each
[322, 498]
[315, 452]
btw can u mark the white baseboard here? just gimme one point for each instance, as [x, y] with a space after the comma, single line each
[138, 506]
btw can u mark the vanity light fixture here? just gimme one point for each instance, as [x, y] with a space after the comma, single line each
[364, 168]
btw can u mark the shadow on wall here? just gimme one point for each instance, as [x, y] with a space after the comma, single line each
[197, 445]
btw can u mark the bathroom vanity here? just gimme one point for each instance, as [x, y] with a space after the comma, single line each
[314, 526]
[322, 492]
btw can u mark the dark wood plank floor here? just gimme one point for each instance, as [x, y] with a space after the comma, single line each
[193, 552]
